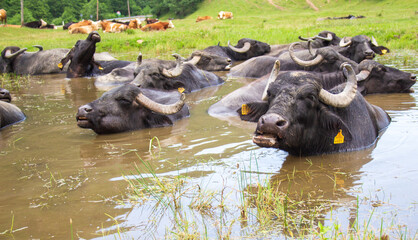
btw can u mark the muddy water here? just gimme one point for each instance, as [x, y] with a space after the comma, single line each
[52, 171]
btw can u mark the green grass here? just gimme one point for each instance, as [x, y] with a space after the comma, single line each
[393, 23]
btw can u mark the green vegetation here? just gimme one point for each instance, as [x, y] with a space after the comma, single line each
[265, 210]
[393, 25]
[74, 10]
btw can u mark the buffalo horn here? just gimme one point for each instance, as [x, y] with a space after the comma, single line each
[194, 60]
[244, 49]
[177, 70]
[39, 47]
[272, 77]
[328, 38]
[343, 43]
[374, 42]
[318, 59]
[158, 107]
[364, 74]
[311, 51]
[344, 98]
[9, 55]
[139, 59]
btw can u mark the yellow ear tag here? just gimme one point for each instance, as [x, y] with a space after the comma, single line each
[181, 90]
[100, 68]
[60, 65]
[384, 51]
[339, 138]
[245, 109]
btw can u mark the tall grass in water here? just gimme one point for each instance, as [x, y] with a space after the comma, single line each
[261, 208]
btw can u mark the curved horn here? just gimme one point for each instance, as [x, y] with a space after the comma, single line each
[364, 74]
[39, 47]
[158, 107]
[177, 70]
[244, 49]
[318, 59]
[273, 75]
[343, 43]
[374, 42]
[139, 60]
[194, 60]
[9, 55]
[328, 38]
[311, 51]
[304, 39]
[344, 98]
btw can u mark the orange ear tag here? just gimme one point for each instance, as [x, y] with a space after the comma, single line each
[60, 65]
[100, 68]
[384, 51]
[339, 138]
[181, 90]
[245, 109]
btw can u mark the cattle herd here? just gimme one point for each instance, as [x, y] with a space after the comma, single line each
[306, 97]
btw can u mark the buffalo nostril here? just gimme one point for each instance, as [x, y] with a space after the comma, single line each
[281, 123]
[229, 60]
[88, 109]
[368, 52]
[413, 77]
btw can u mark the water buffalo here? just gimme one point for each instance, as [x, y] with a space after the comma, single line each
[304, 119]
[17, 60]
[5, 95]
[169, 75]
[361, 47]
[9, 113]
[82, 59]
[130, 107]
[209, 61]
[245, 49]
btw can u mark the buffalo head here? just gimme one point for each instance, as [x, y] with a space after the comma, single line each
[5, 95]
[8, 55]
[377, 78]
[209, 61]
[303, 119]
[81, 57]
[247, 48]
[323, 39]
[361, 47]
[130, 107]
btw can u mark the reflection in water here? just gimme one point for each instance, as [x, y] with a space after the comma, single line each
[53, 171]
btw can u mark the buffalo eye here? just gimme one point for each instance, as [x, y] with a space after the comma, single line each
[124, 101]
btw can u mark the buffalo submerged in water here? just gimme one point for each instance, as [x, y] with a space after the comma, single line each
[9, 113]
[130, 107]
[302, 118]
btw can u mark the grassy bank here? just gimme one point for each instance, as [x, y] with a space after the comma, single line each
[393, 23]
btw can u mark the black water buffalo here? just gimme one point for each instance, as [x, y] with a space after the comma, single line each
[130, 107]
[304, 119]
[361, 47]
[17, 60]
[209, 61]
[169, 75]
[245, 49]
[5, 95]
[82, 61]
[9, 113]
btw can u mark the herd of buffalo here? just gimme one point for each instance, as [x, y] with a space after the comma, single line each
[307, 96]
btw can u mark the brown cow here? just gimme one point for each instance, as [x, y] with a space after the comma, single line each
[80, 24]
[83, 29]
[3, 16]
[113, 27]
[134, 24]
[158, 26]
[199, 18]
[225, 15]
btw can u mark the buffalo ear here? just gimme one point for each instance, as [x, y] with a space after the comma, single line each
[252, 111]
[158, 120]
[381, 50]
[332, 122]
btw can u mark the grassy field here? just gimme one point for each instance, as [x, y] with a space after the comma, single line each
[393, 23]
